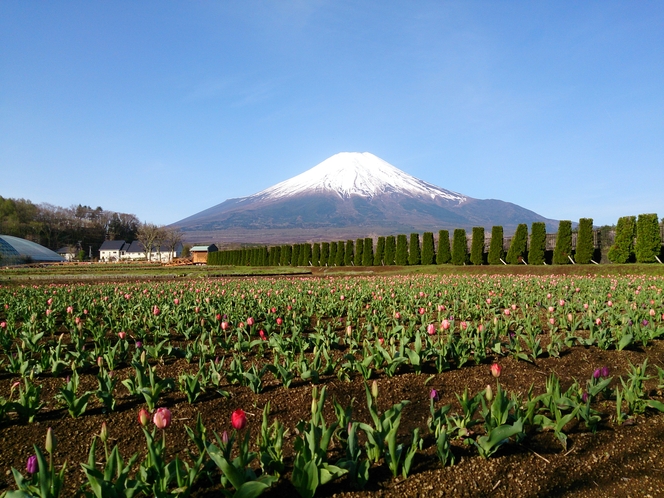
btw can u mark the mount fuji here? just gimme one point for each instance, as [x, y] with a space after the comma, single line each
[349, 195]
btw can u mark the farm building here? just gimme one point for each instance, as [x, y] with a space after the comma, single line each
[199, 253]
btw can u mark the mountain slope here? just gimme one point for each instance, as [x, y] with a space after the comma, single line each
[349, 195]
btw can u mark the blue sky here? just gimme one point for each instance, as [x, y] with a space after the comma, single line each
[163, 109]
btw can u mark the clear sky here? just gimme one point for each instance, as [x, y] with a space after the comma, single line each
[163, 109]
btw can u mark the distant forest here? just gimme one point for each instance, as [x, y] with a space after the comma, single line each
[54, 227]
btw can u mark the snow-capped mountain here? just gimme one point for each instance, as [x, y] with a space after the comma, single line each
[348, 195]
[355, 173]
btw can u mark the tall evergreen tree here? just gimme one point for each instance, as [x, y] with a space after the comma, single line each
[496, 251]
[390, 249]
[648, 238]
[519, 245]
[367, 252]
[359, 247]
[477, 246]
[414, 254]
[459, 247]
[563, 247]
[428, 251]
[332, 260]
[295, 255]
[276, 257]
[401, 257]
[341, 253]
[584, 242]
[443, 255]
[349, 257]
[379, 257]
[324, 253]
[306, 255]
[315, 254]
[287, 255]
[622, 250]
[537, 247]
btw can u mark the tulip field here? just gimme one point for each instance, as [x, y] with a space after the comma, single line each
[452, 385]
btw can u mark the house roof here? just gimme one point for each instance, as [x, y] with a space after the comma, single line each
[112, 245]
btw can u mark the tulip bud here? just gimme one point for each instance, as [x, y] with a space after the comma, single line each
[374, 389]
[33, 465]
[51, 441]
[224, 438]
[143, 417]
[103, 434]
[433, 395]
[489, 393]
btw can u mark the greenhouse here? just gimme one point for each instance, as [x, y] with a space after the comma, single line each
[15, 251]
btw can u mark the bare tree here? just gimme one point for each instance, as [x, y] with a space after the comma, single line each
[173, 238]
[146, 235]
[159, 240]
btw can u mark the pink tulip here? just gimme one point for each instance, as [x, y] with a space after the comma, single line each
[422, 311]
[552, 321]
[250, 321]
[156, 311]
[224, 325]
[176, 301]
[162, 418]
[496, 370]
[609, 303]
[262, 335]
[463, 325]
[397, 315]
[445, 324]
[238, 419]
[70, 309]
[431, 329]
[507, 312]
[122, 335]
[3, 325]
[280, 321]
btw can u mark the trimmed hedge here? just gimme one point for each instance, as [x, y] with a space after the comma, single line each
[390, 249]
[367, 252]
[379, 257]
[349, 257]
[518, 247]
[443, 255]
[584, 242]
[537, 247]
[428, 251]
[401, 257]
[459, 247]
[477, 246]
[563, 243]
[496, 252]
[648, 238]
[414, 256]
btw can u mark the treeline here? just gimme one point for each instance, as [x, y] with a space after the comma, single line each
[55, 227]
[636, 240]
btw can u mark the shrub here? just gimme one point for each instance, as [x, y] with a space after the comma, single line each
[286, 255]
[367, 252]
[295, 255]
[390, 249]
[414, 256]
[563, 243]
[459, 247]
[537, 243]
[380, 252]
[584, 242]
[648, 238]
[443, 255]
[518, 246]
[428, 251]
[477, 246]
[401, 257]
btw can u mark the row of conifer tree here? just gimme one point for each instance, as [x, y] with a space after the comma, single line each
[635, 240]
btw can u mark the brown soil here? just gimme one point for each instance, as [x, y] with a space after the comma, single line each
[618, 460]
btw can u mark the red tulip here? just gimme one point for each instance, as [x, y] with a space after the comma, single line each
[496, 369]
[238, 419]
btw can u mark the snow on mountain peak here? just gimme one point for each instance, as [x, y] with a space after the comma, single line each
[356, 173]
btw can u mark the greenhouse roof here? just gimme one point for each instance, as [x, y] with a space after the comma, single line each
[14, 250]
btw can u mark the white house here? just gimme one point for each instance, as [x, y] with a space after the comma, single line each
[136, 252]
[112, 250]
